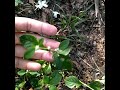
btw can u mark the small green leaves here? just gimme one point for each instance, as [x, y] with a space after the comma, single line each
[49, 76]
[34, 73]
[21, 72]
[16, 88]
[41, 42]
[28, 41]
[64, 44]
[40, 61]
[72, 82]
[65, 51]
[57, 61]
[33, 82]
[29, 53]
[56, 78]
[46, 79]
[22, 84]
[62, 62]
[52, 87]
[67, 65]
[47, 69]
[64, 48]
[96, 85]
[18, 2]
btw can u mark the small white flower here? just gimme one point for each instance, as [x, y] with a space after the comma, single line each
[41, 4]
[56, 49]
[37, 47]
[27, 71]
[55, 14]
[48, 47]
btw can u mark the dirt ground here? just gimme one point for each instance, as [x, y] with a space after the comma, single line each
[88, 55]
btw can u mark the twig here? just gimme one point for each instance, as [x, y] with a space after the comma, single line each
[96, 8]
[96, 65]
[88, 64]
[60, 8]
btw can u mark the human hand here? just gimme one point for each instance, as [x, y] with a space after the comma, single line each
[27, 24]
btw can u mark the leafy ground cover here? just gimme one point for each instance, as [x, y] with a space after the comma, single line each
[81, 25]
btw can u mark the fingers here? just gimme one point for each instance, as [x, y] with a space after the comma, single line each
[28, 65]
[27, 24]
[39, 54]
[47, 42]
[16, 40]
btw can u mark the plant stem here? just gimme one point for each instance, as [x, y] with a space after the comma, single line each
[86, 85]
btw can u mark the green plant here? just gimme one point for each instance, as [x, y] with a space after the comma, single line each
[74, 23]
[51, 73]
[17, 2]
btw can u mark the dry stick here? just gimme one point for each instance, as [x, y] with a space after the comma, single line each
[96, 8]
[88, 8]
[97, 12]
[98, 69]
[97, 66]
[88, 64]
[23, 10]
[60, 8]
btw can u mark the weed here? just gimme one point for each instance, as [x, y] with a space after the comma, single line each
[51, 74]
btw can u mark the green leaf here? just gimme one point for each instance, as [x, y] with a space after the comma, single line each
[40, 61]
[67, 64]
[41, 42]
[96, 85]
[46, 79]
[73, 23]
[82, 14]
[18, 2]
[53, 74]
[21, 72]
[22, 84]
[62, 62]
[34, 82]
[64, 44]
[102, 80]
[29, 53]
[16, 88]
[57, 61]
[63, 23]
[52, 87]
[72, 82]
[34, 73]
[47, 69]
[65, 51]
[28, 41]
[40, 82]
[56, 78]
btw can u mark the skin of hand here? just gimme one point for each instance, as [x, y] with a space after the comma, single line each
[27, 24]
